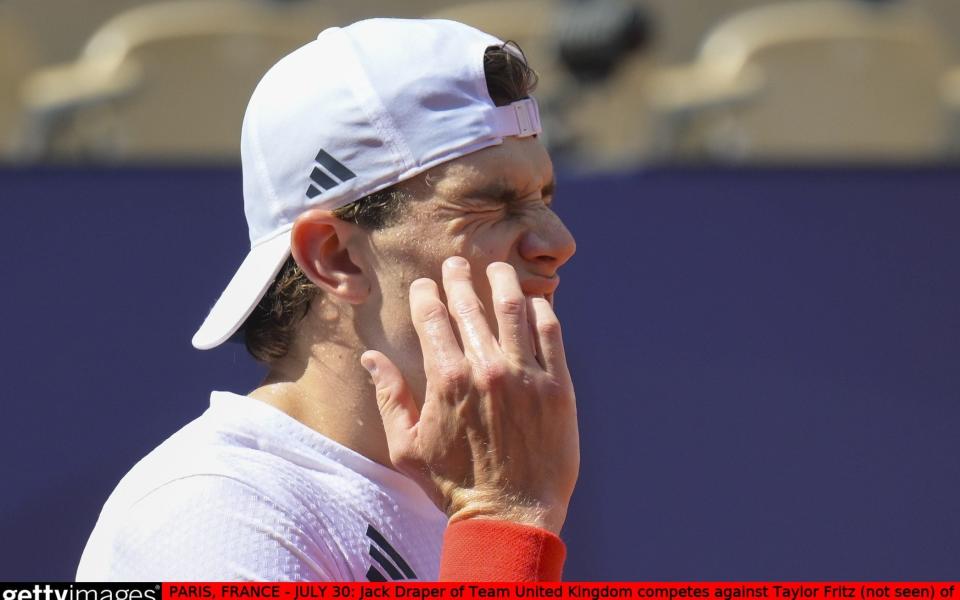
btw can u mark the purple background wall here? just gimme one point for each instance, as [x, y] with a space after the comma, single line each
[767, 362]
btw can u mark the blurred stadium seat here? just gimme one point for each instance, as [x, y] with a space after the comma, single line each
[529, 23]
[163, 81]
[820, 80]
[812, 80]
[17, 59]
[950, 88]
[523, 21]
[580, 126]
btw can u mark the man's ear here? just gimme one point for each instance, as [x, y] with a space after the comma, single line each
[319, 243]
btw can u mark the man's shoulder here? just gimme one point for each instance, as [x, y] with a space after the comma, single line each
[256, 489]
[208, 455]
[208, 525]
[211, 489]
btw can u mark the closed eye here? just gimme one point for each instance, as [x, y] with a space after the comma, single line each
[507, 194]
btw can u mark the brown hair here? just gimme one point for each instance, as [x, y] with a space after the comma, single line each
[268, 332]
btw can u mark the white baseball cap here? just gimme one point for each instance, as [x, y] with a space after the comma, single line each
[355, 111]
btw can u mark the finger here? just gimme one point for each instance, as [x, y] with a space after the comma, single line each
[395, 401]
[479, 345]
[432, 322]
[510, 307]
[550, 351]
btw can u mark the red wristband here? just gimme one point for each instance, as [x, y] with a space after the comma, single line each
[488, 550]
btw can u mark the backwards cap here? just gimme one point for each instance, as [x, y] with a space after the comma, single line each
[355, 111]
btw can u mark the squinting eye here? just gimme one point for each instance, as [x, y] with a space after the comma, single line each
[483, 205]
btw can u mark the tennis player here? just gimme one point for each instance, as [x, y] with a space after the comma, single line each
[417, 420]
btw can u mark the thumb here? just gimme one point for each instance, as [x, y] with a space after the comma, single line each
[395, 401]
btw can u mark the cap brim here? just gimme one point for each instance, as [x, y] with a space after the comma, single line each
[244, 291]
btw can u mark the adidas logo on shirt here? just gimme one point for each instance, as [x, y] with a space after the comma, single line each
[333, 174]
[388, 558]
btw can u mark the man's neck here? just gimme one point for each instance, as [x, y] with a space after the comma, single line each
[333, 396]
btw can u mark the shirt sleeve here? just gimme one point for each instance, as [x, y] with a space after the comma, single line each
[488, 550]
[208, 528]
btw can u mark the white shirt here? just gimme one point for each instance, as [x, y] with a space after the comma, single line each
[246, 492]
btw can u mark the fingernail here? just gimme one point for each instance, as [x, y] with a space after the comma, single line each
[371, 368]
[421, 283]
[457, 262]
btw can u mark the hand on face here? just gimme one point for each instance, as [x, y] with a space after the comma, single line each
[496, 435]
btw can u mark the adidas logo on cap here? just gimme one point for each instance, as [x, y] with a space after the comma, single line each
[323, 179]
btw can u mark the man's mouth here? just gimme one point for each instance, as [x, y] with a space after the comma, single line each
[540, 286]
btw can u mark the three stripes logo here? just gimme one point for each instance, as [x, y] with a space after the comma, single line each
[333, 174]
[388, 558]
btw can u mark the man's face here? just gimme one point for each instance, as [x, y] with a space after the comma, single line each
[492, 205]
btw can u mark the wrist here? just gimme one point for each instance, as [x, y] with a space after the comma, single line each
[548, 518]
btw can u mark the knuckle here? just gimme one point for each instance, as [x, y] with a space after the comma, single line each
[549, 327]
[468, 307]
[491, 374]
[510, 305]
[432, 311]
[553, 389]
[383, 396]
[453, 375]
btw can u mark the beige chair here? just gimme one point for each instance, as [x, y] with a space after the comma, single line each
[17, 58]
[602, 120]
[813, 80]
[950, 90]
[523, 21]
[526, 22]
[166, 81]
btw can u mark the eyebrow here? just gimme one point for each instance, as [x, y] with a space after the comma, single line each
[505, 192]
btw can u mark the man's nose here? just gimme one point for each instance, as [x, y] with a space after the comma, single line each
[548, 243]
